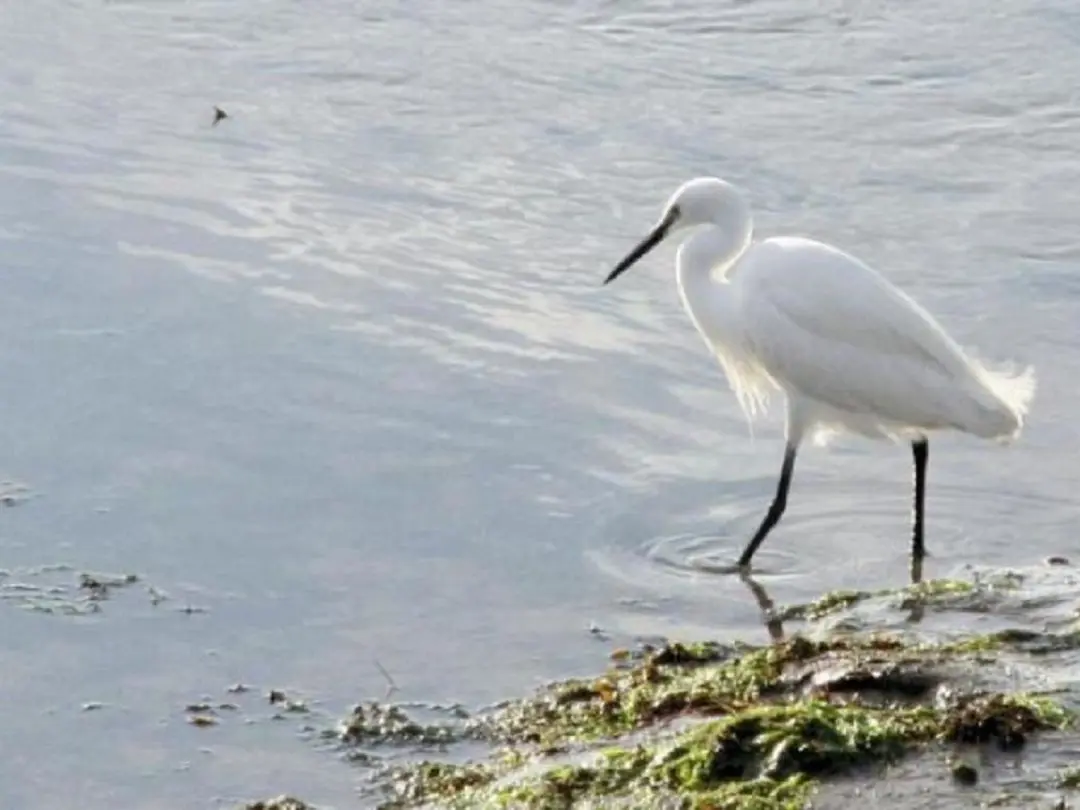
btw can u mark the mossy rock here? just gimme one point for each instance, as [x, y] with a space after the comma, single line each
[713, 726]
[761, 727]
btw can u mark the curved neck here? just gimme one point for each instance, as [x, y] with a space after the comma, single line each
[702, 266]
[716, 247]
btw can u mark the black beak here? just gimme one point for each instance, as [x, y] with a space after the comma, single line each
[644, 246]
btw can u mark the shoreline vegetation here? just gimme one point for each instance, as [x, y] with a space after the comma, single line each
[834, 708]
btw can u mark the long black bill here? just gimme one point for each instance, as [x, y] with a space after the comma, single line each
[643, 247]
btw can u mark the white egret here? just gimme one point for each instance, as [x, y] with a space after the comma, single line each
[850, 351]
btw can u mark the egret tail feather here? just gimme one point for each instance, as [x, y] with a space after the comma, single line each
[1012, 392]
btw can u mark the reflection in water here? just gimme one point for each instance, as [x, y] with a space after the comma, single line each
[773, 623]
[918, 608]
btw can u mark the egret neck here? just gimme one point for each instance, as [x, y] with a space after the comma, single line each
[702, 267]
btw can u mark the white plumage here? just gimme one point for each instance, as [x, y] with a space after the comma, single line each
[850, 351]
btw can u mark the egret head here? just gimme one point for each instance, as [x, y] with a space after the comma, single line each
[701, 201]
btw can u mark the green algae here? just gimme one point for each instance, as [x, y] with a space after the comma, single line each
[566, 788]
[688, 654]
[934, 591]
[1016, 639]
[437, 781]
[383, 724]
[1007, 719]
[664, 685]
[712, 726]
[759, 732]
[1070, 779]
[829, 603]
[766, 756]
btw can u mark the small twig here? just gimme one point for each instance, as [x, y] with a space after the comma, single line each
[391, 687]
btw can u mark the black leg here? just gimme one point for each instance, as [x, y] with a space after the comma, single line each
[776, 510]
[921, 452]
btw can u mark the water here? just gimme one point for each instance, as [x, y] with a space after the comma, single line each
[338, 374]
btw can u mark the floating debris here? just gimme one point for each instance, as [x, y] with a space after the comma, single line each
[291, 706]
[219, 116]
[598, 632]
[387, 724]
[964, 773]
[13, 493]
[38, 589]
[280, 803]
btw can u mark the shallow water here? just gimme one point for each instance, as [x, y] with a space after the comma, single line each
[339, 373]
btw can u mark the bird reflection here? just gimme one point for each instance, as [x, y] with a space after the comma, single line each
[918, 606]
[774, 622]
[916, 570]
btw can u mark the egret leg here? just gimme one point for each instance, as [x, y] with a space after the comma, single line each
[776, 510]
[921, 452]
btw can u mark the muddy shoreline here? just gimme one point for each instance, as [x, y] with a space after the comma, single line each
[833, 709]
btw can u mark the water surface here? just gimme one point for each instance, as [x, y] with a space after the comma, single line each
[339, 372]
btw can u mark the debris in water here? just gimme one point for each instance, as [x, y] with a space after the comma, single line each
[964, 773]
[295, 707]
[98, 585]
[280, 803]
[219, 116]
[42, 593]
[12, 493]
[379, 724]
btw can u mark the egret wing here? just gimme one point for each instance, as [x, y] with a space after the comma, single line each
[825, 324]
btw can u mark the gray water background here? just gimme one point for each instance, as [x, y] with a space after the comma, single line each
[339, 372]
